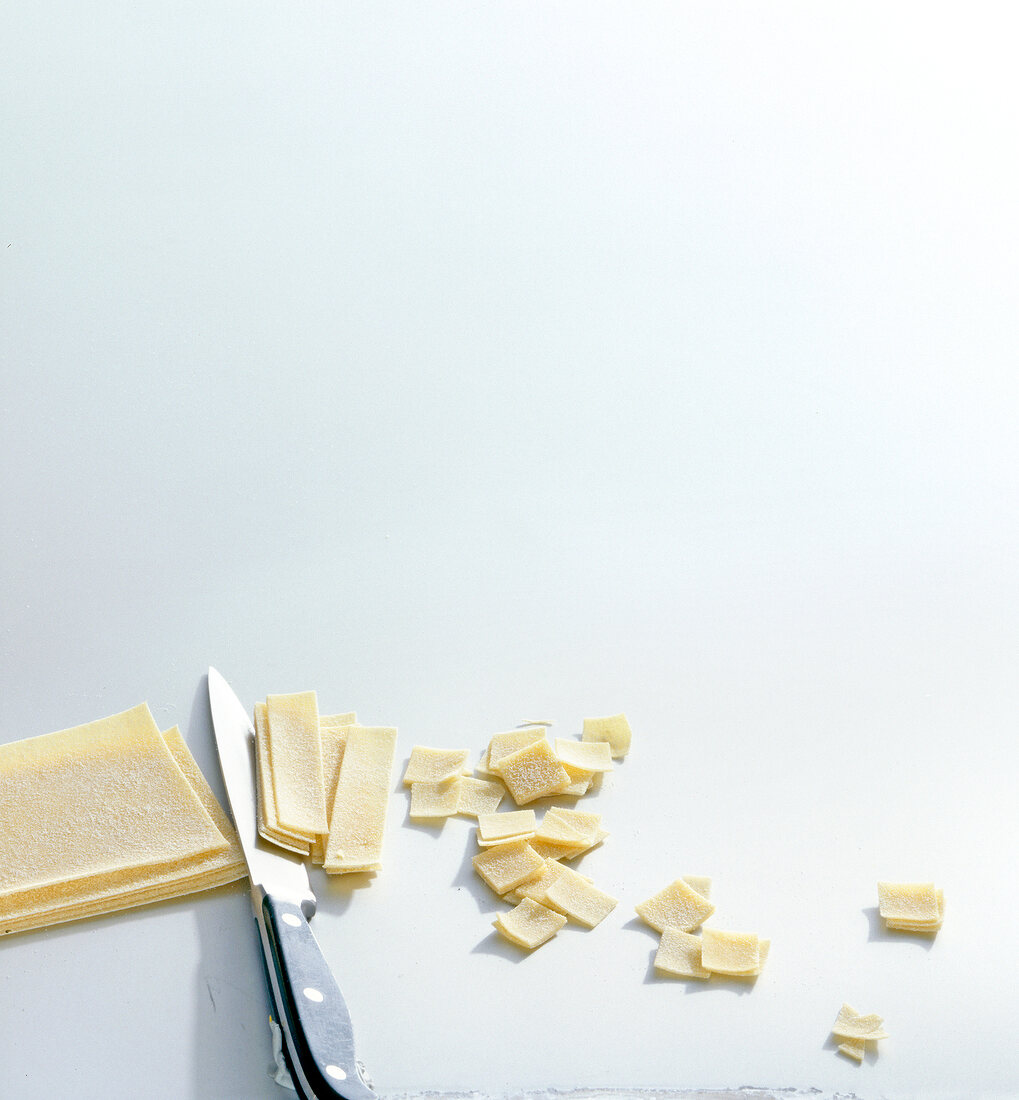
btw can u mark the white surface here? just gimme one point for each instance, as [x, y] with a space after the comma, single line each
[467, 361]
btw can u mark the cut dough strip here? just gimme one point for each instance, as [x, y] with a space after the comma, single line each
[362, 799]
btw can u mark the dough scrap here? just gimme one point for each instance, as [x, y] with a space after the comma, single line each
[850, 1024]
[679, 955]
[295, 759]
[677, 906]
[700, 883]
[614, 729]
[357, 828]
[853, 1048]
[529, 924]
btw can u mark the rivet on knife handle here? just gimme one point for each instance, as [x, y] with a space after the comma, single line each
[316, 1021]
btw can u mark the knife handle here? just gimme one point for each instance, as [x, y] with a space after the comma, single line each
[316, 1020]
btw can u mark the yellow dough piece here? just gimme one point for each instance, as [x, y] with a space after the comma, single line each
[700, 883]
[268, 824]
[362, 798]
[679, 955]
[850, 1024]
[853, 1048]
[504, 866]
[479, 796]
[677, 906]
[536, 888]
[614, 729]
[431, 801]
[493, 828]
[434, 765]
[733, 953]
[908, 901]
[335, 721]
[333, 734]
[295, 759]
[581, 781]
[502, 744]
[118, 815]
[590, 756]
[906, 906]
[529, 924]
[532, 772]
[578, 899]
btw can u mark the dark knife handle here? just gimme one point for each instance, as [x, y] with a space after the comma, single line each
[316, 1021]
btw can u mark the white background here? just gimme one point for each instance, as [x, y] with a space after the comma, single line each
[470, 363]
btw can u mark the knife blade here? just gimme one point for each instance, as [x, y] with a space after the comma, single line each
[317, 1034]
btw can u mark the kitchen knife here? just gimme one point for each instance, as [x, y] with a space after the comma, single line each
[317, 1035]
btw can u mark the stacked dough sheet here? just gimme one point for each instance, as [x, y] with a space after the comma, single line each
[323, 782]
[103, 817]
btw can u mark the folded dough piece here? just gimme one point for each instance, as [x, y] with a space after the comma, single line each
[103, 817]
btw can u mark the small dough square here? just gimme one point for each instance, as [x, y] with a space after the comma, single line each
[585, 824]
[614, 729]
[679, 955]
[850, 1024]
[496, 827]
[677, 906]
[479, 796]
[577, 898]
[433, 765]
[502, 744]
[536, 888]
[700, 883]
[532, 772]
[591, 756]
[580, 782]
[429, 801]
[505, 866]
[908, 901]
[529, 924]
[736, 953]
[853, 1048]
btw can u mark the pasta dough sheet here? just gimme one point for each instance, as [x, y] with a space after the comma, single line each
[124, 885]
